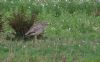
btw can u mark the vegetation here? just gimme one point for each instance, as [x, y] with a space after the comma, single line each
[71, 36]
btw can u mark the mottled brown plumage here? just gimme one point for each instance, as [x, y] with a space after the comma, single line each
[36, 29]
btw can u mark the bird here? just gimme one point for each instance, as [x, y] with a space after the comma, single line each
[36, 29]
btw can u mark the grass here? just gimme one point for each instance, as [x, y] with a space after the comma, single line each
[51, 51]
[71, 36]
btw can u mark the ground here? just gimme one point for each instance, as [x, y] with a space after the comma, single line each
[71, 36]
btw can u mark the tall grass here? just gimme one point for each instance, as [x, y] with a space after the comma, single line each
[58, 10]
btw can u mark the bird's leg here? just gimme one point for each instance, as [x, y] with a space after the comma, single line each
[36, 38]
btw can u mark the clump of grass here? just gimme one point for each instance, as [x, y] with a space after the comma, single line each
[1, 23]
[21, 23]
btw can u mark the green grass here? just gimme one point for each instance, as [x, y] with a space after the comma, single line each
[73, 33]
[52, 51]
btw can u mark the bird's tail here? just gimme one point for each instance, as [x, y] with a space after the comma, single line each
[27, 33]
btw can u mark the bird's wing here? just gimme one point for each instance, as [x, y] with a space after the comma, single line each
[33, 29]
[39, 31]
